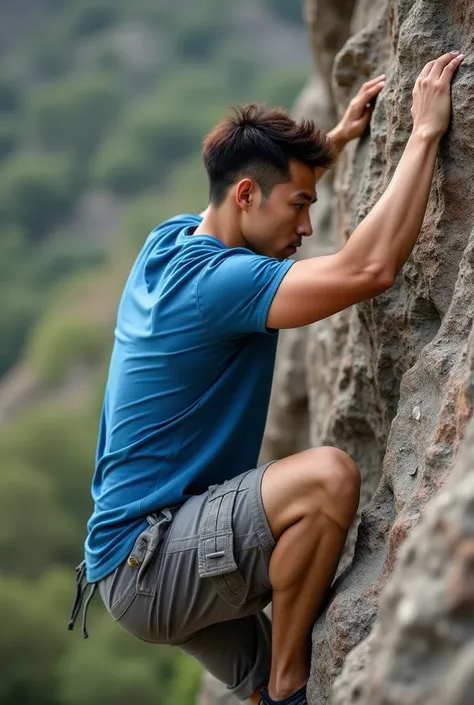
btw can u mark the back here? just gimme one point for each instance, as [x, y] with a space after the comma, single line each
[189, 382]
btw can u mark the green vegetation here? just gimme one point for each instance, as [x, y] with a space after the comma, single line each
[74, 116]
[60, 342]
[103, 106]
[36, 191]
[290, 11]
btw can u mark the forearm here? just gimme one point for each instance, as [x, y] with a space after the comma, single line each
[384, 240]
[338, 141]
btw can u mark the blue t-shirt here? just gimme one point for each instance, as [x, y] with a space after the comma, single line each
[189, 382]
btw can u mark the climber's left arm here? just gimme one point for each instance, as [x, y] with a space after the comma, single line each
[356, 118]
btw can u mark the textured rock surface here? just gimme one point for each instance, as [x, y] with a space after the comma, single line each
[422, 647]
[400, 368]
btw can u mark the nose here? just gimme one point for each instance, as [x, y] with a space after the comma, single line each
[304, 227]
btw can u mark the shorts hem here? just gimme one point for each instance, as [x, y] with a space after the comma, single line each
[262, 527]
[251, 683]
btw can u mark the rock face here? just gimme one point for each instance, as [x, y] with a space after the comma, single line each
[391, 381]
[421, 649]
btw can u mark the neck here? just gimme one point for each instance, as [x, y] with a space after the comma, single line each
[222, 225]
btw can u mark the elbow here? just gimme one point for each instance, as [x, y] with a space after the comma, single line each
[381, 279]
[386, 281]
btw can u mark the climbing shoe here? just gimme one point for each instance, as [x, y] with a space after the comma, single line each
[298, 698]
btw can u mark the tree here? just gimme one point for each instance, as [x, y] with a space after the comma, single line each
[287, 10]
[122, 167]
[281, 89]
[164, 132]
[113, 667]
[151, 140]
[59, 342]
[36, 191]
[20, 309]
[75, 115]
[60, 443]
[58, 259]
[32, 642]
[92, 16]
[41, 520]
[9, 138]
[10, 99]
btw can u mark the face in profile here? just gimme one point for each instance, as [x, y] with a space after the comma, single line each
[275, 226]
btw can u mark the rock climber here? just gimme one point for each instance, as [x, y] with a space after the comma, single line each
[189, 541]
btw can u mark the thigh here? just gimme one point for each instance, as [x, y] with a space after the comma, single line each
[237, 653]
[214, 565]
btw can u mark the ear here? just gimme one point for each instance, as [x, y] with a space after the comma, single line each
[245, 193]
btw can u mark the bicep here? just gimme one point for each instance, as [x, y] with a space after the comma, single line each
[318, 287]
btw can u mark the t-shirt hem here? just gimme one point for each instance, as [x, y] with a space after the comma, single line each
[95, 575]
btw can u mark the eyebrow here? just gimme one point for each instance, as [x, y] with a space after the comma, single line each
[306, 196]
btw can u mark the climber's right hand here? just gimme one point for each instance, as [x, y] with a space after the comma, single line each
[431, 108]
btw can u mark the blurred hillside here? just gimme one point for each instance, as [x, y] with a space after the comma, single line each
[102, 101]
[103, 105]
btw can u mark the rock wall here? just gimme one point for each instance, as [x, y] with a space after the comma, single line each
[421, 649]
[391, 381]
[394, 378]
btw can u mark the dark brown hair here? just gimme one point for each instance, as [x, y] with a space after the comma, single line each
[259, 142]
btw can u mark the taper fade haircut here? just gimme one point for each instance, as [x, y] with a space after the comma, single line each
[259, 142]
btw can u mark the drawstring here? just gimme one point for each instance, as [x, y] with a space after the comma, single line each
[80, 573]
[86, 607]
[80, 591]
[81, 587]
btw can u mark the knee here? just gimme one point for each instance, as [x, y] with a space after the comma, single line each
[342, 481]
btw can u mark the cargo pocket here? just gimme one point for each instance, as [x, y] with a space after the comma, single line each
[216, 544]
[133, 576]
[123, 587]
[151, 538]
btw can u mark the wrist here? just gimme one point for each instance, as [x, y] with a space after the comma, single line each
[425, 134]
[338, 138]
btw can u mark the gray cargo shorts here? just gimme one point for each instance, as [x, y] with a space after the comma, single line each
[197, 578]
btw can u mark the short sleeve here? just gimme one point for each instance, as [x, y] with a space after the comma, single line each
[235, 292]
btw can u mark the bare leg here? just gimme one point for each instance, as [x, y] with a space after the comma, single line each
[310, 500]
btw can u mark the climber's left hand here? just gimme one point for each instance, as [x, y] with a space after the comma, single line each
[360, 109]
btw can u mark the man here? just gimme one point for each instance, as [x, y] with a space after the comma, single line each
[187, 542]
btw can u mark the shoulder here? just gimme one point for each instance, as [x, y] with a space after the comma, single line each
[175, 225]
[235, 289]
[182, 220]
[242, 263]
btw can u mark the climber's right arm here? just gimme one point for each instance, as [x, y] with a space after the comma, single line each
[379, 247]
